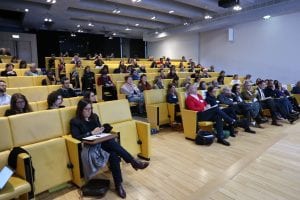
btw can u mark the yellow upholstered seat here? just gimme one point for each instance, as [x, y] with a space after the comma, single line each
[52, 88]
[134, 135]
[42, 105]
[35, 93]
[74, 100]
[156, 107]
[189, 119]
[50, 160]
[3, 109]
[66, 114]
[20, 81]
[37, 80]
[34, 127]
[12, 91]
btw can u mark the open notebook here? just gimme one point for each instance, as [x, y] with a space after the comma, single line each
[96, 137]
[5, 175]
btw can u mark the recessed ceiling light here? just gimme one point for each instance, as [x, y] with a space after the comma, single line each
[91, 25]
[116, 11]
[237, 8]
[48, 1]
[26, 10]
[153, 18]
[156, 32]
[46, 19]
[137, 24]
[136, 1]
[207, 17]
[53, 1]
[185, 23]
[114, 34]
[266, 17]
[128, 29]
[80, 31]
[49, 20]
[15, 36]
[110, 38]
[78, 25]
[171, 11]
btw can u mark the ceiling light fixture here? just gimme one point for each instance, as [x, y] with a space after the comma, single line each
[128, 29]
[137, 24]
[136, 1]
[171, 11]
[114, 34]
[237, 8]
[78, 26]
[153, 18]
[266, 17]
[46, 19]
[53, 1]
[73, 35]
[116, 11]
[156, 32]
[91, 25]
[80, 31]
[49, 20]
[110, 38]
[15, 36]
[48, 1]
[26, 10]
[207, 17]
[185, 23]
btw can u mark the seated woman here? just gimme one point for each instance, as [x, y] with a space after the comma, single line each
[133, 93]
[186, 82]
[195, 102]
[85, 124]
[221, 77]
[181, 67]
[153, 65]
[23, 64]
[14, 59]
[202, 85]
[9, 70]
[157, 83]
[172, 97]
[135, 74]
[109, 91]
[172, 74]
[235, 80]
[90, 96]
[121, 69]
[144, 84]
[55, 100]
[197, 81]
[18, 105]
[88, 79]
[162, 74]
[175, 82]
[283, 92]
[50, 79]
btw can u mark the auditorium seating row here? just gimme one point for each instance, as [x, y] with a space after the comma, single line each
[22, 81]
[16, 67]
[55, 154]
[43, 105]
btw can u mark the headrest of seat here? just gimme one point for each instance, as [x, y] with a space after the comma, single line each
[66, 114]
[114, 111]
[155, 96]
[33, 127]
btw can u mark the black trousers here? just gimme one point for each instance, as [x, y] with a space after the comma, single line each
[269, 104]
[116, 151]
[216, 115]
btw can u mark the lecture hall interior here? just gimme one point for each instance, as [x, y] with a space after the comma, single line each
[150, 99]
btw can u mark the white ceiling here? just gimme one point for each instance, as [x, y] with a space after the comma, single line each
[67, 14]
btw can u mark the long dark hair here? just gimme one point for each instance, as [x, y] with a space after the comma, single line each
[80, 106]
[234, 88]
[13, 103]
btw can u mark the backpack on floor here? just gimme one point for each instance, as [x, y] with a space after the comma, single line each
[95, 188]
[204, 138]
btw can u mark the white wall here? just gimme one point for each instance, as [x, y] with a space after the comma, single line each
[266, 49]
[176, 46]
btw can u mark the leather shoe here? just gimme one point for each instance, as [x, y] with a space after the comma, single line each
[136, 164]
[259, 126]
[121, 191]
[248, 130]
[276, 124]
[223, 141]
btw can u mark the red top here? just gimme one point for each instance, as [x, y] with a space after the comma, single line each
[193, 104]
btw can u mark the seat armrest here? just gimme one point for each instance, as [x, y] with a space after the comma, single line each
[99, 92]
[189, 120]
[74, 150]
[153, 116]
[24, 170]
[171, 112]
[143, 130]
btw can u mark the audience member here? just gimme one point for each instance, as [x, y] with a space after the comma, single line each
[172, 97]
[14, 59]
[158, 83]
[51, 62]
[33, 71]
[76, 59]
[133, 93]
[88, 80]
[18, 105]
[144, 84]
[109, 91]
[86, 123]
[90, 96]
[66, 91]
[186, 82]
[55, 100]
[202, 85]
[23, 64]
[296, 88]
[9, 70]
[195, 102]
[153, 65]
[4, 97]
[172, 74]
[50, 79]
[235, 80]
[205, 73]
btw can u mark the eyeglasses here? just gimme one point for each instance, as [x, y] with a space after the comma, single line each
[88, 109]
[21, 101]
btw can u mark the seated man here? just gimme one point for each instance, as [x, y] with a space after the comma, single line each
[296, 88]
[266, 103]
[4, 98]
[195, 102]
[211, 99]
[133, 93]
[282, 104]
[66, 91]
[33, 71]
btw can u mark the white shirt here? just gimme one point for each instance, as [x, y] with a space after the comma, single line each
[262, 94]
[5, 99]
[195, 96]
[233, 82]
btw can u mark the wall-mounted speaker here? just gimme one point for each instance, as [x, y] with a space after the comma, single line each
[230, 35]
